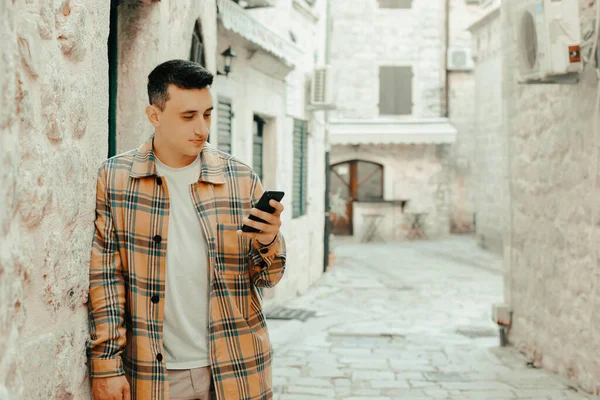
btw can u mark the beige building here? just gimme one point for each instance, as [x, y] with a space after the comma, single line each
[54, 133]
[460, 98]
[540, 142]
[489, 142]
[390, 136]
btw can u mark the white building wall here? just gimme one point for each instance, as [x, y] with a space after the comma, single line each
[365, 37]
[490, 137]
[551, 238]
[282, 101]
[461, 112]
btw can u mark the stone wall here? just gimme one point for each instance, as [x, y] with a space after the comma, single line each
[53, 136]
[461, 112]
[149, 35]
[365, 37]
[552, 236]
[490, 138]
[413, 172]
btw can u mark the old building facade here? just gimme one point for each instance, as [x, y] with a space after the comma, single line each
[489, 142]
[390, 138]
[54, 135]
[73, 82]
[538, 146]
[263, 117]
[552, 258]
[460, 100]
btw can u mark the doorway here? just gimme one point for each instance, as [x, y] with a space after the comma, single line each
[351, 181]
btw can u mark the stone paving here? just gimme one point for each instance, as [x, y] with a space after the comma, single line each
[407, 320]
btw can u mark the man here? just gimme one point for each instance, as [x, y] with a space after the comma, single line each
[175, 304]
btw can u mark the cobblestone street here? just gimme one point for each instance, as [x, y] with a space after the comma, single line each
[405, 321]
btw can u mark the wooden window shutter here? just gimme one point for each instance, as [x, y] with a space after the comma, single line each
[403, 4]
[224, 125]
[300, 173]
[395, 90]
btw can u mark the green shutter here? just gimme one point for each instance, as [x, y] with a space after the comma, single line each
[395, 90]
[257, 146]
[300, 175]
[224, 125]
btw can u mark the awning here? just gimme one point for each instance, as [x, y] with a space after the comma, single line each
[238, 20]
[386, 131]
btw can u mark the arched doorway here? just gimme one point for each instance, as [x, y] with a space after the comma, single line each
[351, 181]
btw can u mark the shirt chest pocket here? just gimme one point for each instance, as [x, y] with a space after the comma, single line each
[232, 250]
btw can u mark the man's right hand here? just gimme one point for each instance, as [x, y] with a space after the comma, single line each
[113, 388]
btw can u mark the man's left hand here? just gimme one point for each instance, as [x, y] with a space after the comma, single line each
[270, 229]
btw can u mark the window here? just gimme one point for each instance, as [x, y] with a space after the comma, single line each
[197, 51]
[395, 90]
[395, 4]
[257, 146]
[225, 116]
[300, 163]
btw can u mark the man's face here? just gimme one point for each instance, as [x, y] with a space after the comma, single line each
[184, 123]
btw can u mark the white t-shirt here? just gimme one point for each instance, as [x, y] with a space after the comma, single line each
[185, 329]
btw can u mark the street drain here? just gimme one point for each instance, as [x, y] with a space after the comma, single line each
[477, 333]
[289, 313]
[444, 377]
[402, 288]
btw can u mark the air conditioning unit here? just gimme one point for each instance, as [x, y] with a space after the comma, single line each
[321, 88]
[549, 41]
[459, 59]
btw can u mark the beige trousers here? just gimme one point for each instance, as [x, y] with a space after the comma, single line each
[190, 384]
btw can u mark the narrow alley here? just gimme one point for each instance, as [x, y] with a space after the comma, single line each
[405, 321]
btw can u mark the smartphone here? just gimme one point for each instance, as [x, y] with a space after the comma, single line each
[263, 205]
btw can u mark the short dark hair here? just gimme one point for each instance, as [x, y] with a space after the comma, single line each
[181, 73]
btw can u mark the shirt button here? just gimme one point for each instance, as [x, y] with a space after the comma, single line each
[264, 251]
[159, 357]
[159, 180]
[157, 239]
[155, 299]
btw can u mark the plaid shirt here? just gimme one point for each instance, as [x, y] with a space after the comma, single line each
[127, 275]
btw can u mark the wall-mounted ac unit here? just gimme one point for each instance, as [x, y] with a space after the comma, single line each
[321, 88]
[459, 59]
[549, 40]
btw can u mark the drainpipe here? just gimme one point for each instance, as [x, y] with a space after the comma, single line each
[446, 85]
[113, 66]
[327, 145]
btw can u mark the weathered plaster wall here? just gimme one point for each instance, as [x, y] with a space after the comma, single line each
[552, 236]
[53, 136]
[149, 35]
